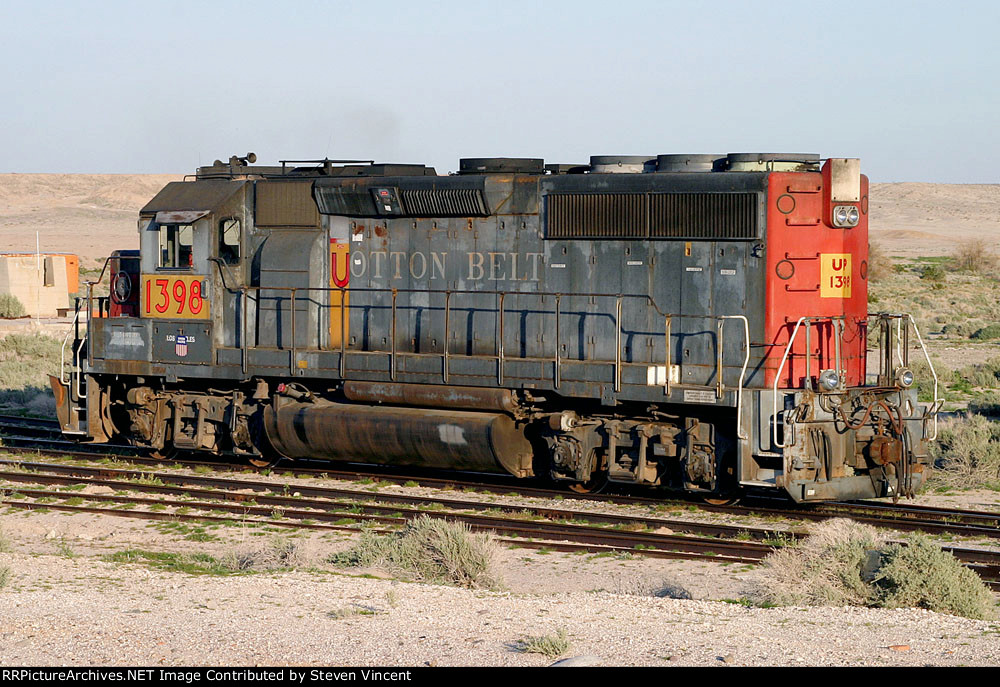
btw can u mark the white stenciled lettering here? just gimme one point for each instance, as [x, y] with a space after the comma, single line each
[475, 266]
[377, 257]
[437, 265]
[397, 258]
[418, 265]
[536, 259]
[489, 265]
[359, 264]
[496, 262]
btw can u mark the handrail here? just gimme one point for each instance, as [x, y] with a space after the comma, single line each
[930, 365]
[62, 349]
[774, 391]
[746, 362]
[500, 354]
[839, 322]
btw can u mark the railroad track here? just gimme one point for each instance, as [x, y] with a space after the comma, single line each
[905, 517]
[219, 499]
[327, 508]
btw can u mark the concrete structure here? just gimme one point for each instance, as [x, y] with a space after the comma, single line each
[39, 282]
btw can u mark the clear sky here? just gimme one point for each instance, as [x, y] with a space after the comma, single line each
[912, 88]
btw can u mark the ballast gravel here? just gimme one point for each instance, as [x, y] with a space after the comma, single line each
[82, 611]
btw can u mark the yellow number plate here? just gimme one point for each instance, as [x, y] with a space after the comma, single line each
[835, 275]
[174, 297]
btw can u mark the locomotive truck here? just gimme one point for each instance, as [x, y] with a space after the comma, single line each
[693, 322]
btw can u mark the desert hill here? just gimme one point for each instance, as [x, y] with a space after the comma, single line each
[92, 214]
[87, 214]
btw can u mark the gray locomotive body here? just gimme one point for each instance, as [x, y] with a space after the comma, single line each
[607, 322]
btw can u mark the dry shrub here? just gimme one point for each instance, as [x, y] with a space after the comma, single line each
[879, 264]
[822, 570]
[630, 585]
[975, 256]
[5, 576]
[273, 554]
[431, 549]
[843, 563]
[967, 452]
[552, 646]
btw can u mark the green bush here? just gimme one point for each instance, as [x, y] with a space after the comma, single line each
[988, 404]
[962, 329]
[846, 563]
[10, 306]
[932, 272]
[988, 332]
[432, 549]
[922, 575]
[980, 375]
[967, 452]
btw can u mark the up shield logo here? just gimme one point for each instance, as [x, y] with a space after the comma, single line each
[181, 346]
[835, 275]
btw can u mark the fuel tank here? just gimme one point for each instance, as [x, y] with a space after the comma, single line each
[450, 439]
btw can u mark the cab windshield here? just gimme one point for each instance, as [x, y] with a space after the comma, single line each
[175, 246]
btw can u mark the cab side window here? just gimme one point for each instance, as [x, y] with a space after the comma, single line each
[175, 246]
[229, 241]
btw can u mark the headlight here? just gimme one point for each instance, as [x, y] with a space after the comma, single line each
[904, 377]
[845, 216]
[829, 379]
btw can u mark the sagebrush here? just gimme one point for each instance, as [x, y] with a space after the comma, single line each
[552, 646]
[844, 563]
[271, 554]
[11, 306]
[26, 360]
[431, 549]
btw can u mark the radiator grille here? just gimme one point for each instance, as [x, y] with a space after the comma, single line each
[595, 215]
[652, 215]
[450, 202]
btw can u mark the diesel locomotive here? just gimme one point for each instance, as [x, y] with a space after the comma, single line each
[693, 322]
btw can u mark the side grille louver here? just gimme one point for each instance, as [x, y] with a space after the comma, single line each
[451, 202]
[652, 215]
[359, 201]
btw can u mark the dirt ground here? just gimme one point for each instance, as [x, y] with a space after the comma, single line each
[67, 604]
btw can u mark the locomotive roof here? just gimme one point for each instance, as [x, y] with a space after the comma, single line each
[185, 195]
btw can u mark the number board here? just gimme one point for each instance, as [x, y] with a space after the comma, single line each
[175, 297]
[835, 275]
